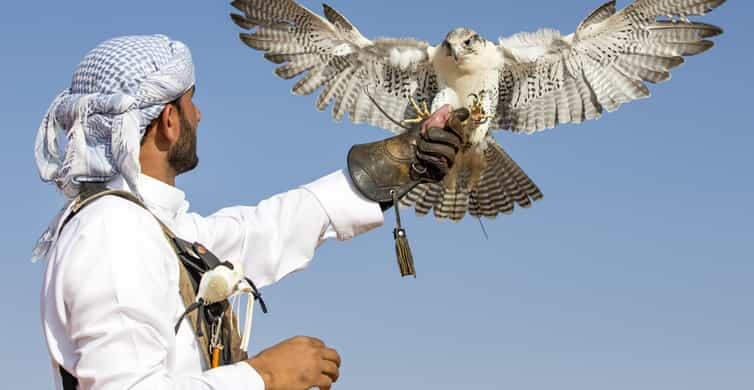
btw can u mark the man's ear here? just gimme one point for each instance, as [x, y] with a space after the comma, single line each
[169, 124]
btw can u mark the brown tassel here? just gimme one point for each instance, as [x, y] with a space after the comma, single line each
[402, 249]
[403, 252]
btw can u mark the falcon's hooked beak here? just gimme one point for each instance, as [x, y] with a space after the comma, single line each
[455, 53]
[452, 50]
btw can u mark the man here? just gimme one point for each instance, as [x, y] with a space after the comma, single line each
[110, 296]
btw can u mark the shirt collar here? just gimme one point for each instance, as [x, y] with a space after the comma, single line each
[164, 199]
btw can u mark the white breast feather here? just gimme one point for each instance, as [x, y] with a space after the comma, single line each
[445, 96]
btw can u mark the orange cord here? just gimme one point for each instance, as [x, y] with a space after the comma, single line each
[216, 356]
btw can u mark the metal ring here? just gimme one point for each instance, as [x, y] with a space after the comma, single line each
[421, 172]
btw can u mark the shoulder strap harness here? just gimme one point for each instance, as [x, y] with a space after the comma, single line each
[219, 340]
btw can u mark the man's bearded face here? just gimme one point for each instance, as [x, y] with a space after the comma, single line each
[182, 156]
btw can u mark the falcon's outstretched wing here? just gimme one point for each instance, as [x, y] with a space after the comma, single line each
[333, 54]
[549, 79]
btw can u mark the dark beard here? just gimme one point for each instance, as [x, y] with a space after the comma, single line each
[182, 156]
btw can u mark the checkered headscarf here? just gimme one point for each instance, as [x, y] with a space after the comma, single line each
[116, 91]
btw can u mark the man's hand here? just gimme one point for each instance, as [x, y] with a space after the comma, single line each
[299, 363]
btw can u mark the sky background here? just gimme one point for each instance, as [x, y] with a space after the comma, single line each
[634, 272]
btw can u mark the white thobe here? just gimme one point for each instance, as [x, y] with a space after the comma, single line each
[110, 297]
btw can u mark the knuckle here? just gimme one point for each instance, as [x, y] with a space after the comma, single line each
[444, 137]
[314, 355]
[454, 139]
[436, 132]
[305, 377]
[422, 148]
[316, 342]
[434, 160]
[335, 373]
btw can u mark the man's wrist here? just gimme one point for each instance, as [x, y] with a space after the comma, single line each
[349, 211]
[267, 377]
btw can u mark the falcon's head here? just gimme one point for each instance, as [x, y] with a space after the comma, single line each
[463, 43]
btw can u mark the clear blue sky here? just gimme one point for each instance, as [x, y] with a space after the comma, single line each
[634, 272]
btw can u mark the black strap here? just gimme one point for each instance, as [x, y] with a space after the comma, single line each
[69, 381]
[199, 260]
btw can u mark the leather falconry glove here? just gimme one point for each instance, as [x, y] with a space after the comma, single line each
[386, 170]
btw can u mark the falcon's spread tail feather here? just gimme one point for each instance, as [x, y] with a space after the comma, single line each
[502, 185]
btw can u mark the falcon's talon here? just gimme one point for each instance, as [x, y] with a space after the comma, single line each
[478, 114]
[422, 113]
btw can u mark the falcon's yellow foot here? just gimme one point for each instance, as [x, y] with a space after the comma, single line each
[478, 114]
[422, 113]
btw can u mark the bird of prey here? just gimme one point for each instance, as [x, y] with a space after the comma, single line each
[526, 83]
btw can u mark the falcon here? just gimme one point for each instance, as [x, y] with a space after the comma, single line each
[525, 83]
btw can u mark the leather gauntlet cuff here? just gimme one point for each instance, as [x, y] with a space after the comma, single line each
[379, 168]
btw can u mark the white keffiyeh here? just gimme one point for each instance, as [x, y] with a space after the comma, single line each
[116, 91]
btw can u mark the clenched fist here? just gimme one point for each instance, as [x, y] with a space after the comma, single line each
[299, 363]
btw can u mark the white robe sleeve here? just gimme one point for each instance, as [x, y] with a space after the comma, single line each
[114, 293]
[280, 234]
[107, 307]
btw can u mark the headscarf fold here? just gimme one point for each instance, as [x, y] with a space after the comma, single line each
[117, 90]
